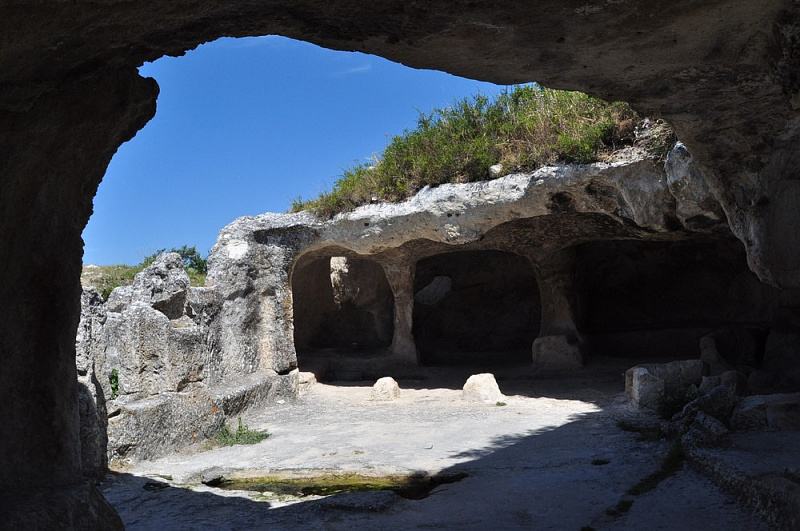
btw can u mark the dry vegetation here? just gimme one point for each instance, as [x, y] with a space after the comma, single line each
[523, 129]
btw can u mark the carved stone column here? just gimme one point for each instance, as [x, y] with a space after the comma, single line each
[400, 276]
[560, 344]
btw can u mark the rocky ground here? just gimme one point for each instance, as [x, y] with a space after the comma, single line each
[552, 457]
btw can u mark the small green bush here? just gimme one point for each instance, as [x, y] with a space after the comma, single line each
[113, 381]
[243, 435]
[524, 128]
[106, 278]
[195, 265]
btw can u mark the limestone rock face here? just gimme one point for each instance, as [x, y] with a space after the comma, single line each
[482, 388]
[249, 268]
[164, 286]
[151, 353]
[696, 207]
[151, 362]
[91, 396]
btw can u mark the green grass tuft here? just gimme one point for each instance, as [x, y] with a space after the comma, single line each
[105, 278]
[243, 435]
[113, 381]
[524, 128]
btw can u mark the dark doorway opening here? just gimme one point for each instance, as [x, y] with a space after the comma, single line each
[475, 308]
[655, 300]
[341, 303]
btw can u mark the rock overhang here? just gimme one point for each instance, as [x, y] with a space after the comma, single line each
[625, 199]
[724, 74]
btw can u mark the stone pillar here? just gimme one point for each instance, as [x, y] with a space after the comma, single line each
[53, 155]
[560, 345]
[249, 266]
[400, 276]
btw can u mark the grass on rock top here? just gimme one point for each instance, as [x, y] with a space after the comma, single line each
[523, 129]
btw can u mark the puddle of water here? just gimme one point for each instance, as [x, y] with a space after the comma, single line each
[412, 487]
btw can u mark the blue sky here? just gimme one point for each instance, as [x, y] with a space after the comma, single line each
[244, 126]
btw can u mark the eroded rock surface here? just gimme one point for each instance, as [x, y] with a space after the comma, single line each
[152, 357]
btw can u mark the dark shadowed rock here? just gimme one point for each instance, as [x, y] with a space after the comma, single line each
[651, 384]
[767, 412]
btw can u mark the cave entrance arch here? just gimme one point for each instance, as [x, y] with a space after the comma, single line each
[341, 303]
[475, 308]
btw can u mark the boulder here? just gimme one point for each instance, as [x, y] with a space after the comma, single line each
[767, 412]
[385, 389]
[706, 431]
[643, 388]
[151, 354]
[305, 381]
[163, 285]
[734, 380]
[482, 388]
[119, 299]
[717, 403]
[650, 385]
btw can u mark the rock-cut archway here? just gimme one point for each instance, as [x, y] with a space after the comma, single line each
[341, 304]
[475, 307]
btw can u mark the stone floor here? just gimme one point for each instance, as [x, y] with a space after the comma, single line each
[552, 457]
